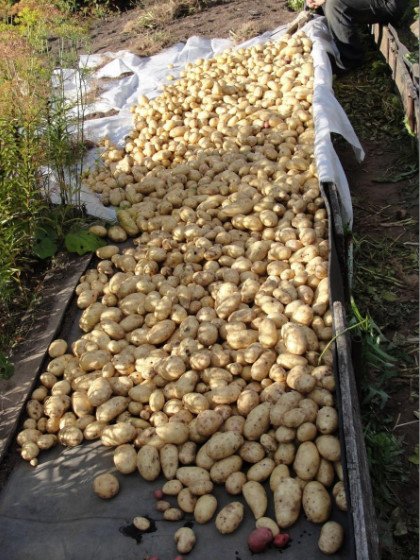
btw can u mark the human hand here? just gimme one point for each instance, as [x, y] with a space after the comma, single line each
[314, 4]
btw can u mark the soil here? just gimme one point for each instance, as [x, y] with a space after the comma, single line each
[121, 31]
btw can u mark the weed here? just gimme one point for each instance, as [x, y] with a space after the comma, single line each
[246, 31]
[295, 5]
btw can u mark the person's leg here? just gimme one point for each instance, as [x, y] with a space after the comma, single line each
[343, 16]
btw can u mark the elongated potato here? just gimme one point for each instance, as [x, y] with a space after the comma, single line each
[257, 421]
[255, 497]
[222, 469]
[173, 432]
[331, 537]
[307, 461]
[205, 508]
[316, 502]
[148, 463]
[169, 460]
[287, 502]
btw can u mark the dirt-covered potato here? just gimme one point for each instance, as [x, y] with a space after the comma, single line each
[331, 537]
[125, 458]
[106, 486]
[205, 508]
[148, 463]
[255, 497]
[316, 502]
[185, 540]
[287, 502]
[229, 518]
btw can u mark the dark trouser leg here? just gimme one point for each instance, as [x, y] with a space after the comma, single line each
[343, 16]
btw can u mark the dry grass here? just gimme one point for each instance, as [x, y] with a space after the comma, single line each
[247, 31]
[152, 42]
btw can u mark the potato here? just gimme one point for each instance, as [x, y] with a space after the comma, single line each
[118, 434]
[57, 348]
[223, 445]
[339, 493]
[172, 514]
[29, 451]
[234, 483]
[268, 523]
[328, 447]
[201, 487]
[125, 458]
[94, 430]
[287, 502]
[257, 421]
[278, 473]
[208, 422]
[106, 486]
[46, 441]
[255, 497]
[327, 420]
[187, 453]
[325, 474]
[307, 460]
[141, 523]
[331, 537]
[172, 487]
[111, 409]
[261, 470]
[222, 469]
[185, 540]
[148, 463]
[186, 500]
[316, 502]
[173, 432]
[192, 475]
[229, 518]
[252, 452]
[70, 436]
[205, 508]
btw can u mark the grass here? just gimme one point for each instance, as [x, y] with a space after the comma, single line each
[295, 5]
[246, 31]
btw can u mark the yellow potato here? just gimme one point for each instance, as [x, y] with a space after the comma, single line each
[331, 537]
[255, 497]
[287, 502]
[125, 458]
[229, 518]
[106, 486]
[148, 463]
[316, 502]
[205, 508]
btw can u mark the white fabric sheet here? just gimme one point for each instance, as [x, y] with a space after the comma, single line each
[119, 78]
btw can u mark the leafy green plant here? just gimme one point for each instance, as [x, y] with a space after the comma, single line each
[295, 5]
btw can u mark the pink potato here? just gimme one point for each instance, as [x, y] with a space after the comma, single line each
[259, 539]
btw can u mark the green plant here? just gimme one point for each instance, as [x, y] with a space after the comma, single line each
[295, 5]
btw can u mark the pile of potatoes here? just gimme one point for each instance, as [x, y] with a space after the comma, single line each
[204, 354]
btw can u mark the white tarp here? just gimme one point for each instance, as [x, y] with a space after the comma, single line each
[119, 78]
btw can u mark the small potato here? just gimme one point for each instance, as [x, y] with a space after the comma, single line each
[306, 432]
[172, 487]
[234, 483]
[255, 497]
[30, 435]
[222, 469]
[328, 447]
[57, 348]
[287, 502]
[316, 502]
[29, 451]
[229, 518]
[173, 514]
[261, 470]
[205, 508]
[141, 523]
[125, 458]
[339, 493]
[106, 486]
[185, 540]
[279, 472]
[331, 537]
[192, 475]
[327, 420]
[252, 452]
[186, 500]
[70, 436]
[268, 523]
[46, 441]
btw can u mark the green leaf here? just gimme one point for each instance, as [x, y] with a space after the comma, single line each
[6, 367]
[45, 245]
[82, 242]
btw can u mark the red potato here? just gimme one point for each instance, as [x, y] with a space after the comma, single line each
[260, 539]
[281, 540]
